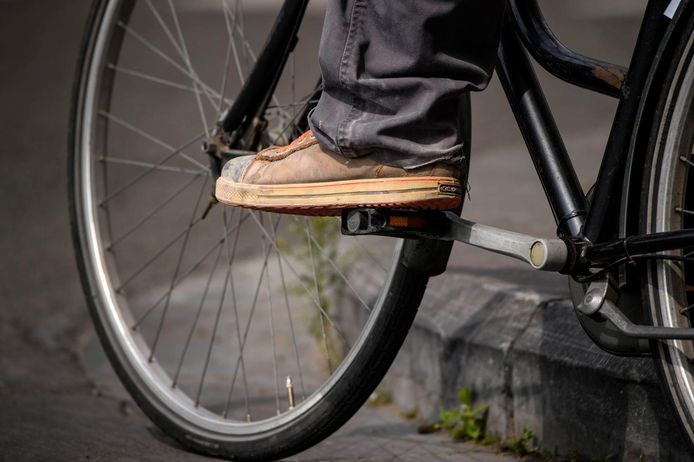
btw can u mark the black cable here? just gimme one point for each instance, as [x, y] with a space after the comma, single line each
[631, 258]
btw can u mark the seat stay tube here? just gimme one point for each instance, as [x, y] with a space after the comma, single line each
[541, 135]
[606, 200]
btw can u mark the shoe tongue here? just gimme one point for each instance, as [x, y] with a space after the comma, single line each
[280, 152]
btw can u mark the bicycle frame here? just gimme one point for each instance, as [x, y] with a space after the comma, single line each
[567, 201]
[585, 229]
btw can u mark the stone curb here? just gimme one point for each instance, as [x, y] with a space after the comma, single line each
[524, 353]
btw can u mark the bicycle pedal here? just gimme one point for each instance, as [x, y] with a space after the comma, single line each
[393, 223]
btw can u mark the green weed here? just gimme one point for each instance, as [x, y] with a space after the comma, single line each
[464, 422]
[520, 445]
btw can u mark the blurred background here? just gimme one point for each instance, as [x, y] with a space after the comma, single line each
[52, 371]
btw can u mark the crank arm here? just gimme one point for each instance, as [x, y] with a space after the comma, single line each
[541, 254]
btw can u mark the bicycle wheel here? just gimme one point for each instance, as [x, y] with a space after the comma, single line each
[242, 334]
[668, 195]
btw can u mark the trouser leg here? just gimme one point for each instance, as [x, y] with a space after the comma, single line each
[393, 74]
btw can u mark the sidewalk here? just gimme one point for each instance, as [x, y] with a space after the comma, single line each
[64, 416]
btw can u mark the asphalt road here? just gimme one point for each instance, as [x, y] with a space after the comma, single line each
[54, 404]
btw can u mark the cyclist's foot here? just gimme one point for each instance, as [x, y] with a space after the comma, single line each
[303, 178]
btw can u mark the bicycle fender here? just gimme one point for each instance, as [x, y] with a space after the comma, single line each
[647, 114]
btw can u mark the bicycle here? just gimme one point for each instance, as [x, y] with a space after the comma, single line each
[630, 238]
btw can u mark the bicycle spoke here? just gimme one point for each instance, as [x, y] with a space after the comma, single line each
[315, 282]
[242, 34]
[150, 169]
[237, 322]
[118, 121]
[242, 346]
[247, 51]
[189, 64]
[291, 323]
[225, 67]
[212, 338]
[339, 272]
[196, 319]
[685, 211]
[218, 315]
[154, 257]
[272, 337]
[366, 250]
[296, 274]
[152, 213]
[148, 165]
[149, 262]
[292, 105]
[179, 261]
[209, 92]
[164, 27]
[232, 43]
[291, 120]
[242, 29]
[293, 84]
[152, 78]
[185, 275]
[182, 51]
[291, 124]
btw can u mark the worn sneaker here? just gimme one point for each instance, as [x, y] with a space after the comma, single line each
[303, 178]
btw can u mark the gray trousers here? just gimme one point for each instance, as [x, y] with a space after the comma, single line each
[393, 74]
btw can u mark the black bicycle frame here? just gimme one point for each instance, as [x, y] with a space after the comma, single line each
[566, 199]
[524, 29]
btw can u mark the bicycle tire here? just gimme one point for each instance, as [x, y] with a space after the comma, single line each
[667, 195]
[331, 404]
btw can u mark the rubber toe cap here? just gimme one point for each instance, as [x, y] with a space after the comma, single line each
[234, 168]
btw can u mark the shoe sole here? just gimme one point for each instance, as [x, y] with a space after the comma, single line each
[330, 198]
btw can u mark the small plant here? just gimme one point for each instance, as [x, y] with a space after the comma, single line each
[464, 422]
[522, 445]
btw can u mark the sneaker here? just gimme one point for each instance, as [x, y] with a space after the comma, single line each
[303, 178]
